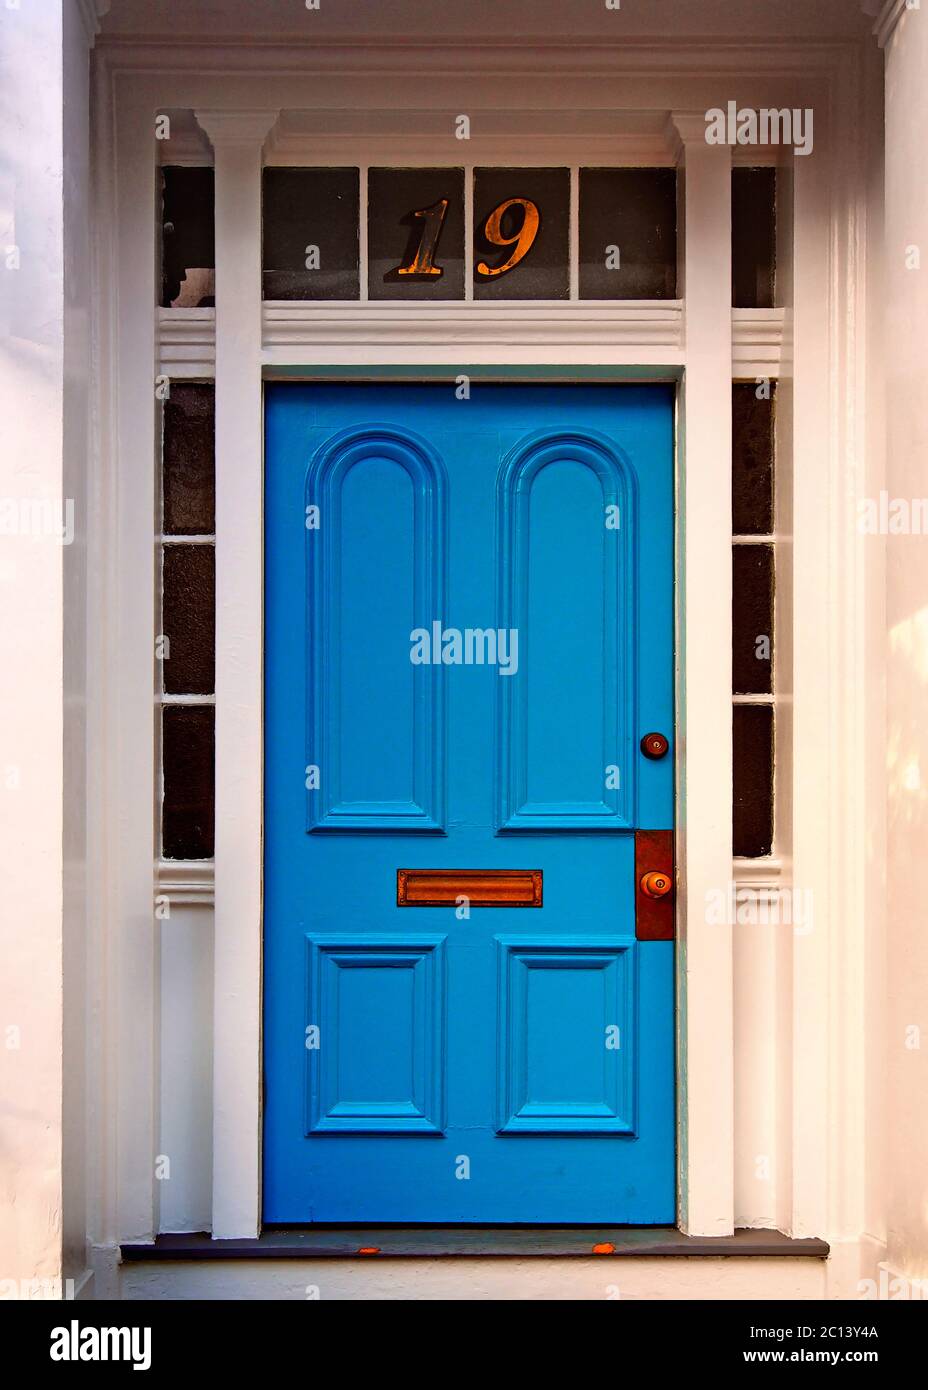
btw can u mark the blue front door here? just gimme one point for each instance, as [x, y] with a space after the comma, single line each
[468, 632]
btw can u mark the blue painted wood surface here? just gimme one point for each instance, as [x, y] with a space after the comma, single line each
[468, 629]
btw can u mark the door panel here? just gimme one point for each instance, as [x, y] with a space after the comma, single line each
[468, 630]
[381, 495]
[567, 585]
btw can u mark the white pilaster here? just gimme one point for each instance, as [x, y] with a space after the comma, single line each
[704, 836]
[238, 138]
[132, 668]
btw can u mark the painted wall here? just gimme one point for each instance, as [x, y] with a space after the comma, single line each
[31, 620]
[907, 647]
[77, 481]
[44, 404]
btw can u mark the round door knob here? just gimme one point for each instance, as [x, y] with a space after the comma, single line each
[654, 745]
[655, 884]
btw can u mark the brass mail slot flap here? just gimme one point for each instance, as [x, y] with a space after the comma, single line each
[481, 887]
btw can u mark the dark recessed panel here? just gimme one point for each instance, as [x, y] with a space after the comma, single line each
[415, 233]
[188, 756]
[752, 619]
[753, 238]
[310, 234]
[188, 460]
[752, 461]
[188, 246]
[628, 233]
[521, 233]
[189, 619]
[753, 780]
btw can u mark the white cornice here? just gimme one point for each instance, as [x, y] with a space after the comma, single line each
[91, 12]
[697, 57]
[307, 325]
[236, 127]
[425, 135]
[307, 331]
[887, 19]
[685, 128]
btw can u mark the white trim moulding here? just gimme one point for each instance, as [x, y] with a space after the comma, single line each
[757, 337]
[191, 881]
[634, 329]
[888, 18]
[308, 326]
[188, 342]
[187, 882]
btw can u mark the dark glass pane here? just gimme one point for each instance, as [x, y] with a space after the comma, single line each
[753, 238]
[187, 236]
[628, 233]
[421, 245]
[752, 619]
[189, 619]
[187, 759]
[752, 461]
[188, 460]
[310, 215]
[543, 271]
[753, 780]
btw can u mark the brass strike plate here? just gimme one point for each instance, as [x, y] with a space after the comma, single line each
[655, 895]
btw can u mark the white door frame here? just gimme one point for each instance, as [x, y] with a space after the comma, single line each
[816, 1050]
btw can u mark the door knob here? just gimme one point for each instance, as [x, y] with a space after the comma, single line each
[655, 885]
[654, 745]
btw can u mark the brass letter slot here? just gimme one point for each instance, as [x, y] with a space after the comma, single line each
[481, 887]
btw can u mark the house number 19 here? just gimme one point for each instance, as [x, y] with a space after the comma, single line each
[422, 264]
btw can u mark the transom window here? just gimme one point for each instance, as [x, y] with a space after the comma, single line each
[426, 234]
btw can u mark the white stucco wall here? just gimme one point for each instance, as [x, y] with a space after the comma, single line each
[906, 1120]
[76, 656]
[44, 405]
[31, 620]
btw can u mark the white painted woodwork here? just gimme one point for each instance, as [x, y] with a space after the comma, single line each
[237, 138]
[800, 1001]
[704, 845]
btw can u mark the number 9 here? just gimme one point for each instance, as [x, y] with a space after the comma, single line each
[521, 242]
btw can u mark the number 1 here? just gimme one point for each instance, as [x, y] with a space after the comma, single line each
[423, 262]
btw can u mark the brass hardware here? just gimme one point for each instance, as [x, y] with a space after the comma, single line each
[481, 887]
[423, 262]
[656, 884]
[521, 241]
[654, 745]
[654, 911]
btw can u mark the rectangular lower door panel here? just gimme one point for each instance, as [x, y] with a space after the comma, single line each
[566, 1033]
[375, 1057]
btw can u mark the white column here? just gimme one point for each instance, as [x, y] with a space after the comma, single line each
[238, 138]
[130, 657]
[704, 835]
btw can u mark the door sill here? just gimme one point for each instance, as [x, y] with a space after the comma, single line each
[402, 1242]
